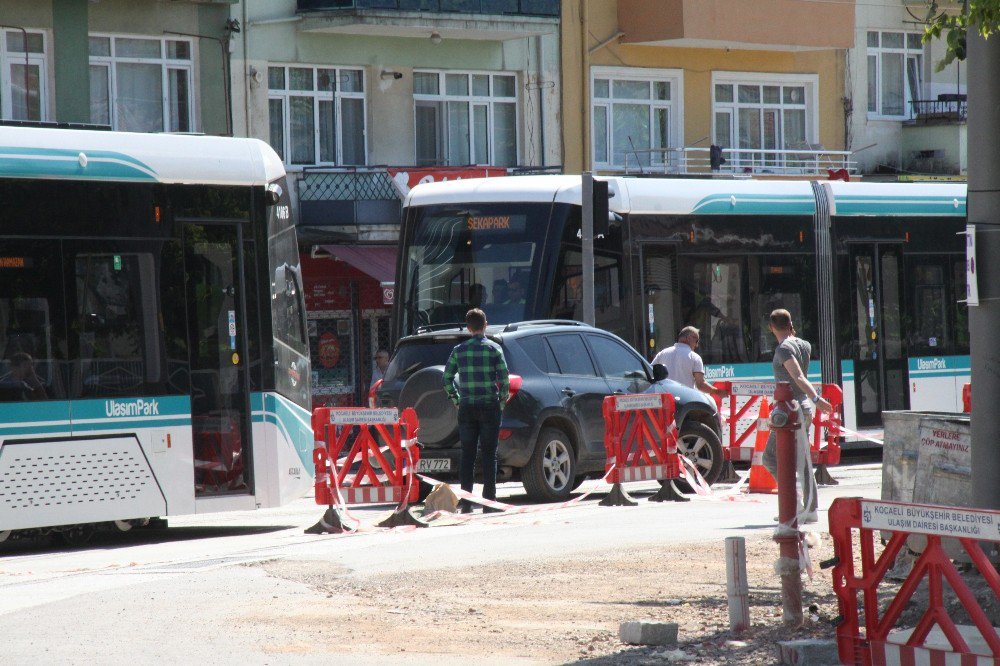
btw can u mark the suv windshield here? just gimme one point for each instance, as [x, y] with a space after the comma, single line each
[418, 355]
[483, 256]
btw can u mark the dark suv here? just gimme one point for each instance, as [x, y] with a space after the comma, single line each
[552, 433]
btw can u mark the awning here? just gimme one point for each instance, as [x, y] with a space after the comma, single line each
[378, 261]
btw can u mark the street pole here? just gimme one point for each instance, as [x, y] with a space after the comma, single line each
[983, 78]
[787, 533]
[587, 246]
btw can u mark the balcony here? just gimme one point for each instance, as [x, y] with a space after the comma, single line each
[547, 8]
[774, 25]
[450, 19]
[946, 108]
[805, 162]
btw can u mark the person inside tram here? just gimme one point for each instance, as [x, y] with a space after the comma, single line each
[23, 378]
[477, 295]
[501, 292]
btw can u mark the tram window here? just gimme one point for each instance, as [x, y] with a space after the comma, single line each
[712, 302]
[960, 309]
[567, 293]
[786, 283]
[117, 324]
[928, 325]
[32, 339]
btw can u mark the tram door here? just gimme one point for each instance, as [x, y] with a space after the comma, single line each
[880, 379]
[661, 291]
[219, 397]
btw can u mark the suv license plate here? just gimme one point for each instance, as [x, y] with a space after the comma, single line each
[434, 465]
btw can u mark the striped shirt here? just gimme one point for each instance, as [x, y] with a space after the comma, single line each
[482, 373]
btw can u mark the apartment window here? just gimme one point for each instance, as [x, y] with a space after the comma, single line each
[141, 84]
[895, 61]
[771, 112]
[465, 118]
[317, 114]
[636, 116]
[22, 75]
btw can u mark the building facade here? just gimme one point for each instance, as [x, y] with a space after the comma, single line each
[141, 66]
[905, 116]
[654, 85]
[365, 98]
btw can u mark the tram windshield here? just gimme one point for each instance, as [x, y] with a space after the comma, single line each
[473, 257]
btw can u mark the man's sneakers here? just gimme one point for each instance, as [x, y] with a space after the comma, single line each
[465, 506]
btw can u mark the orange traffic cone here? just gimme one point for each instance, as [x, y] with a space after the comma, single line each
[761, 480]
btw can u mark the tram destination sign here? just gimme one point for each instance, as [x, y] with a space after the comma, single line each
[364, 416]
[929, 519]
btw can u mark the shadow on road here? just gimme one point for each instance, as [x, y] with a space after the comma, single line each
[109, 539]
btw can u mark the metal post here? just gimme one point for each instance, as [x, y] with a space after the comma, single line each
[983, 76]
[736, 584]
[587, 246]
[787, 533]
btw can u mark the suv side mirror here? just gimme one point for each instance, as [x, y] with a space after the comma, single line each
[659, 372]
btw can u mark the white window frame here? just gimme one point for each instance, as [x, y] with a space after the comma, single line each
[908, 53]
[810, 83]
[472, 100]
[674, 106]
[7, 59]
[317, 96]
[111, 62]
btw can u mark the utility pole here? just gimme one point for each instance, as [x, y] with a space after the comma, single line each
[984, 212]
[587, 246]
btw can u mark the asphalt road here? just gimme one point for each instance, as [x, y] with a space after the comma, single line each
[166, 594]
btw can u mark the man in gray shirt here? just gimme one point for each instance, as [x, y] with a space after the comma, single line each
[791, 358]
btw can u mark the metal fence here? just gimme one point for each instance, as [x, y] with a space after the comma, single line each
[356, 184]
[740, 161]
[545, 8]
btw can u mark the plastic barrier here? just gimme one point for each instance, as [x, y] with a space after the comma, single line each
[365, 456]
[640, 439]
[877, 642]
[967, 398]
[740, 423]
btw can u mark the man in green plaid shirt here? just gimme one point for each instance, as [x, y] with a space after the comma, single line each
[482, 391]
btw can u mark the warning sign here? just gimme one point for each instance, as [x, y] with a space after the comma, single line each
[628, 403]
[363, 416]
[930, 519]
[753, 388]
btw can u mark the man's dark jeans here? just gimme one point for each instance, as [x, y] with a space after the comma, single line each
[479, 428]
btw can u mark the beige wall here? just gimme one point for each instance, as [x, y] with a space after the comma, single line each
[788, 23]
[601, 18]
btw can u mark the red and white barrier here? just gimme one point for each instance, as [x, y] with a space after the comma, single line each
[740, 421]
[855, 521]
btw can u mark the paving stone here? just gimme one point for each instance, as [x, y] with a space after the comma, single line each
[809, 653]
[643, 632]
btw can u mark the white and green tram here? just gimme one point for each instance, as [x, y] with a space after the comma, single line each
[153, 350]
[873, 273]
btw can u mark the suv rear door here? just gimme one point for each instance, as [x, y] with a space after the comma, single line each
[582, 390]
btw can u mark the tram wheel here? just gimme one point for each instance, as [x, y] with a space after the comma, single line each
[5, 535]
[126, 525]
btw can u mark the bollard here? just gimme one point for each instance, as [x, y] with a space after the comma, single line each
[784, 423]
[736, 584]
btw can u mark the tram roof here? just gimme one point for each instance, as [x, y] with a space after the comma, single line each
[682, 196]
[70, 154]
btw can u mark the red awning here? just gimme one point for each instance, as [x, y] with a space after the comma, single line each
[378, 261]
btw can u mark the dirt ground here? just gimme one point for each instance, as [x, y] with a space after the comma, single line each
[553, 611]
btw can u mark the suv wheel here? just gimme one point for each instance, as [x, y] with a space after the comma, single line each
[551, 471]
[699, 444]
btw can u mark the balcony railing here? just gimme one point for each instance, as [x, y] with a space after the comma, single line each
[545, 8]
[945, 107]
[740, 162]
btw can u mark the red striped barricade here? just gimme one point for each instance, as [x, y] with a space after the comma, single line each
[876, 639]
[640, 439]
[967, 398]
[365, 456]
[741, 422]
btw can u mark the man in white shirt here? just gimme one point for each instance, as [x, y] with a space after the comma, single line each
[683, 363]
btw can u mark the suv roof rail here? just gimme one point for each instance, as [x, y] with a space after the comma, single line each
[427, 328]
[542, 322]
